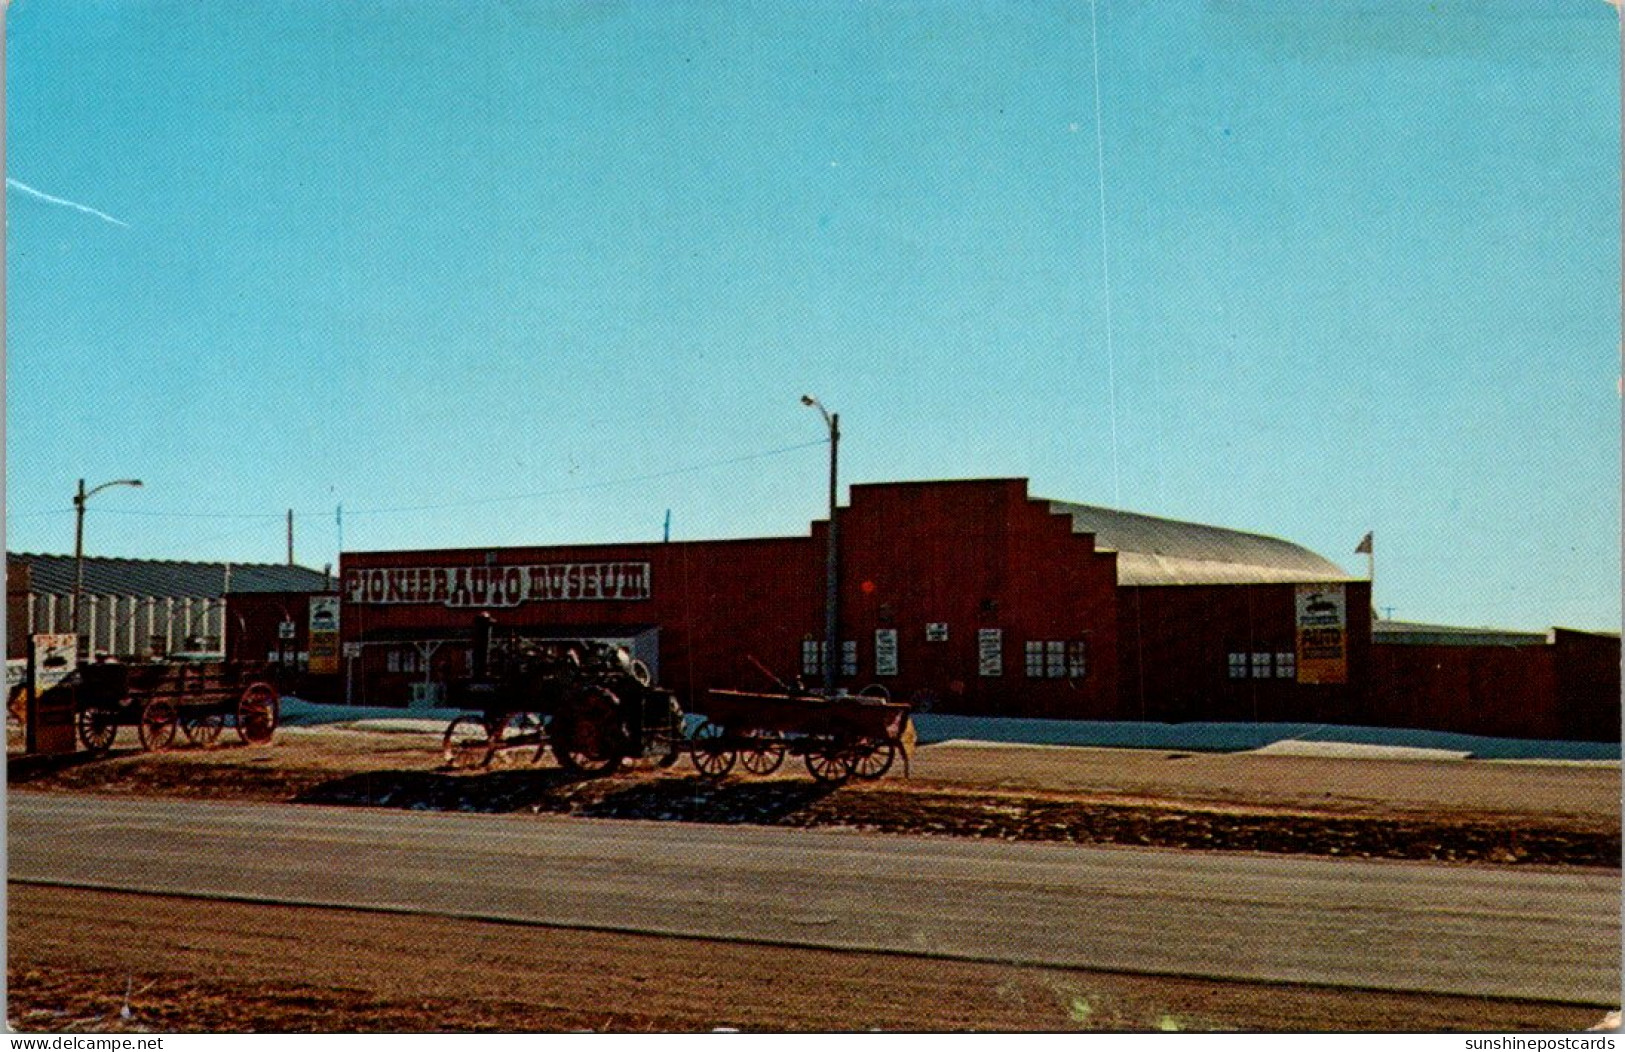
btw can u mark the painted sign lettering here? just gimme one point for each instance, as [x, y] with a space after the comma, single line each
[497, 586]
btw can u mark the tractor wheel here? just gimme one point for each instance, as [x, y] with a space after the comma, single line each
[467, 743]
[587, 736]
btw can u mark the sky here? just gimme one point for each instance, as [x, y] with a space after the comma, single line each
[542, 271]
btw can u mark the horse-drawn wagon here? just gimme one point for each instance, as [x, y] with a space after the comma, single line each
[197, 699]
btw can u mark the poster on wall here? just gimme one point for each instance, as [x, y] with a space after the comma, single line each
[936, 631]
[885, 651]
[1322, 634]
[49, 717]
[324, 635]
[990, 651]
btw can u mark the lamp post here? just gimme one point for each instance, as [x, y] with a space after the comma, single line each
[79, 543]
[832, 621]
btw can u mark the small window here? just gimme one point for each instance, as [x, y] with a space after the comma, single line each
[812, 657]
[1034, 651]
[849, 657]
[1286, 665]
[1238, 666]
[1055, 659]
[1077, 659]
[1262, 665]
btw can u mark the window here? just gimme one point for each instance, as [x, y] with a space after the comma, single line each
[1077, 658]
[812, 657]
[1238, 666]
[1054, 659]
[1286, 665]
[1261, 665]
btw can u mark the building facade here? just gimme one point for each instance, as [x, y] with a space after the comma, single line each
[968, 597]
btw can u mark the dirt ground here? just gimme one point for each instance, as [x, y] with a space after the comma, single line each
[1448, 810]
[79, 959]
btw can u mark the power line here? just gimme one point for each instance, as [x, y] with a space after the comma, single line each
[397, 509]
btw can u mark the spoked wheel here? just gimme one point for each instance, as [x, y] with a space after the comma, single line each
[204, 731]
[873, 759]
[832, 764]
[875, 690]
[467, 743]
[97, 729]
[257, 714]
[712, 751]
[520, 730]
[159, 721]
[763, 753]
[587, 737]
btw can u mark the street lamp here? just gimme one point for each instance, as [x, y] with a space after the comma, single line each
[79, 542]
[832, 645]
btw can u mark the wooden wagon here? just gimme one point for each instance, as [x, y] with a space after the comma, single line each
[848, 735]
[160, 699]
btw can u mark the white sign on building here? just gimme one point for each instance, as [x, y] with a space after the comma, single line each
[885, 651]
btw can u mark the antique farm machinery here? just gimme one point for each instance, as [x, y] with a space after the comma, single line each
[591, 702]
[197, 699]
[845, 735]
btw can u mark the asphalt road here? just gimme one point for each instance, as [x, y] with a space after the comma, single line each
[1488, 931]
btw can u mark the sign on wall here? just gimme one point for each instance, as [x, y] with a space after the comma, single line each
[460, 587]
[1322, 634]
[49, 727]
[885, 651]
[324, 635]
[936, 631]
[990, 651]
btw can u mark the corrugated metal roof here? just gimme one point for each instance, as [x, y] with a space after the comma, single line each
[1153, 551]
[1414, 633]
[54, 574]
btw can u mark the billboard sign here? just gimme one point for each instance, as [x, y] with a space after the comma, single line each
[1322, 633]
[51, 659]
[324, 635]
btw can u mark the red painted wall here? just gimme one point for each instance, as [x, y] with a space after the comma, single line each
[1567, 689]
[1176, 642]
[971, 554]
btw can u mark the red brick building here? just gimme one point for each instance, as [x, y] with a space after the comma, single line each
[961, 596]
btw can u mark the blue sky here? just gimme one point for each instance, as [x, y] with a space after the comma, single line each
[517, 267]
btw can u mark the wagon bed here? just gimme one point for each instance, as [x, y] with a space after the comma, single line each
[837, 737]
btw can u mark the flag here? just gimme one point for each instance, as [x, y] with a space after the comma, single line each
[1364, 547]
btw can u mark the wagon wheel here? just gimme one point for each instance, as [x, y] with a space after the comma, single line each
[587, 738]
[97, 729]
[763, 753]
[875, 690]
[520, 729]
[203, 730]
[872, 759]
[831, 764]
[712, 750]
[467, 743]
[257, 714]
[159, 722]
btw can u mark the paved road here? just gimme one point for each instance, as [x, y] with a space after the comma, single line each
[1383, 925]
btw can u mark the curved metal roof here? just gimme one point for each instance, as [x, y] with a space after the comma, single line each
[1153, 551]
[54, 574]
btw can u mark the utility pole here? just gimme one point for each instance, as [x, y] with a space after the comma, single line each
[832, 596]
[290, 536]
